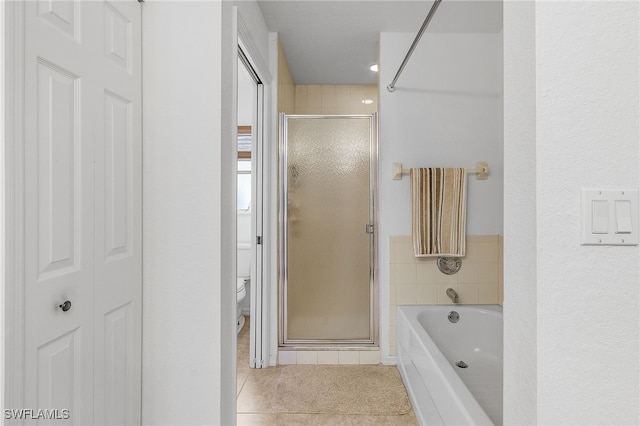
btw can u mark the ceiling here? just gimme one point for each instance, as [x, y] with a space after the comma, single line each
[335, 42]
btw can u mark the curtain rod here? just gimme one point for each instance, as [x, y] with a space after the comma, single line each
[392, 87]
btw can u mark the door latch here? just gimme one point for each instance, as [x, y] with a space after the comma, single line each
[368, 228]
[65, 306]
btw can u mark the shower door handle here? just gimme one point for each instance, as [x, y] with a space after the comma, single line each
[368, 228]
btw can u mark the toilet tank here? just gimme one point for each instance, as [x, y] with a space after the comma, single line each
[244, 260]
[244, 228]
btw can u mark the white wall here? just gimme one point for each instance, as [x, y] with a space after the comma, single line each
[188, 318]
[583, 363]
[190, 66]
[587, 136]
[446, 112]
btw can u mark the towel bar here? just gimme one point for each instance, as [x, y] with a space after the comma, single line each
[481, 171]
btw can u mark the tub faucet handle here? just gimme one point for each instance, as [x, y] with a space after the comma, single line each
[452, 295]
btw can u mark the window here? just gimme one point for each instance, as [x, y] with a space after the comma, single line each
[244, 168]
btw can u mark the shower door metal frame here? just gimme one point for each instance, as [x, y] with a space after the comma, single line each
[372, 226]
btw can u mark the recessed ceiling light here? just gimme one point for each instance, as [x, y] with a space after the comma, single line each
[367, 101]
[374, 67]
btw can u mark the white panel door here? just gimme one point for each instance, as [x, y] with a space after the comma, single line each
[59, 209]
[118, 248]
[82, 210]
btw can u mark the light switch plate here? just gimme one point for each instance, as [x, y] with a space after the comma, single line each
[609, 217]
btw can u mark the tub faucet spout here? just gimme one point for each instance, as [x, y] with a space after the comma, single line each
[452, 295]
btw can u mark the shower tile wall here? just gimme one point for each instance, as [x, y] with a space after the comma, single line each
[330, 99]
[336, 99]
[286, 86]
[417, 280]
[329, 357]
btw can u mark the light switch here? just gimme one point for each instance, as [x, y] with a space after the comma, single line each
[609, 217]
[623, 216]
[600, 217]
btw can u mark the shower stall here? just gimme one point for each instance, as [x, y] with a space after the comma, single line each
[327, 230]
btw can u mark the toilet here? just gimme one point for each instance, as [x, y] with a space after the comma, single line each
[243, 281]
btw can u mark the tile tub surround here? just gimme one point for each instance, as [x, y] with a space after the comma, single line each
[417, 280]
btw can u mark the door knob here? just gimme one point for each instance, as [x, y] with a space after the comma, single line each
[65, 306]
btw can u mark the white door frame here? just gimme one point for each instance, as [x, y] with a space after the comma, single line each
[261, 312]
[256, 360]
[13, 208]
[2, 212]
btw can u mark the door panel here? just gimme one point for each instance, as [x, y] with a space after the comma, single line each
[119, 396]
[58, 375]
[118, 200]
[118, 34]
[118, 216]
[59, 203]
[328, 271]
[59, 200]
[64, 15]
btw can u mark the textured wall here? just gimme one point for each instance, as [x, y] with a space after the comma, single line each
[571, 311]
[587, 136]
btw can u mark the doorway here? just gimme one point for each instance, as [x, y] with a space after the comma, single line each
[250, 211]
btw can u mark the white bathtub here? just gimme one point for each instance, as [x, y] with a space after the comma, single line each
[430, 346]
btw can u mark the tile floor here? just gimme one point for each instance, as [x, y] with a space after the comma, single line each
[257, 386]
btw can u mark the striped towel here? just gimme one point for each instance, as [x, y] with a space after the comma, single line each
[438, 208]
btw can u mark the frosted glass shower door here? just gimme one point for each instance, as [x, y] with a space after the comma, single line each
[328, 243]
